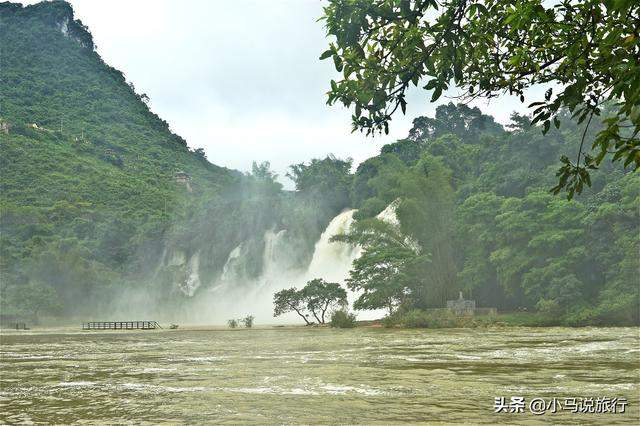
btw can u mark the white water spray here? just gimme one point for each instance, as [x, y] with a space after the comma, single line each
[332, 261]
[233, 296]
[191, 284]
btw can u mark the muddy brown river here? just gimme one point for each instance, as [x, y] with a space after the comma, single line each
[320, 376]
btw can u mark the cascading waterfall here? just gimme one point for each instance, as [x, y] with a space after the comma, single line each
[191, 284]
[229, 270]
[234, 296]
[272, 258]
[389, 213]
[331, 261]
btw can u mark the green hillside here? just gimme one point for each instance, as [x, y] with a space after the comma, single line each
[88, 171]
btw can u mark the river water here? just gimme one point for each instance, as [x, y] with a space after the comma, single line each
[313, 376]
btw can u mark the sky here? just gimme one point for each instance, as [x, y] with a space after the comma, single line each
[242, 78]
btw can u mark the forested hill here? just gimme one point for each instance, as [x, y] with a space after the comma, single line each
[88, 171]
[476, 198]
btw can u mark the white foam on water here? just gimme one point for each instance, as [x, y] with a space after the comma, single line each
[342, 390]
[76, 384]
[158, 388]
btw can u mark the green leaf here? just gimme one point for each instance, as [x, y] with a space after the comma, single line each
[326, 54]
[436, 94]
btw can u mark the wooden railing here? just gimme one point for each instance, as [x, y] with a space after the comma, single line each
[120, 325]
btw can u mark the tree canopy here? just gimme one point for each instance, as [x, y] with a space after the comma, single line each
[321, 296]
[289, 300]
[586, 52]
[316, 297]
[384, 271]
[327, 179]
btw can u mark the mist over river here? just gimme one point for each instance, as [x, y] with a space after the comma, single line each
[299, 375]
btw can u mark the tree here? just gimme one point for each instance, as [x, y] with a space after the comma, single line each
[532, 247]
[381, 273]
[200, 153]
[586, 52]
[459, 120]
[317, 296]
[328, 179]
[426, 214]
[248, 321]
[419, 205]
[361, 188]
[288, 300]
[262, 180]
[406, 149]
[263, 172]
[321, 295]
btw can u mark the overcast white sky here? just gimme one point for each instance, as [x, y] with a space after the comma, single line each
[241, 78]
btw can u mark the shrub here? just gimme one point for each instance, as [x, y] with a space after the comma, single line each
[580, 318]
[549, 307]
[343, 319]
[232, 323]
[416, 318]
[623, 310]
[390, 321]
[248, 321]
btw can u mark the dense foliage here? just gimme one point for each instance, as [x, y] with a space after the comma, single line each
[386, 271]
[586, 51]
[475, 202]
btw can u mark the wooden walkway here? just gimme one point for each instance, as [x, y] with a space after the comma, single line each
[121, 325]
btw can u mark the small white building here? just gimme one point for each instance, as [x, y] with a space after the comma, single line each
[462, 306]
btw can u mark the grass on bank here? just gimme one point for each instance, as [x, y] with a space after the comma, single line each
[424, 319]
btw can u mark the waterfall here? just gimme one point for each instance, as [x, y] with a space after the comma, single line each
[192, 282]
[331, 261]
[389, 213]
[274, 249]
[229, 270]
[233, 295]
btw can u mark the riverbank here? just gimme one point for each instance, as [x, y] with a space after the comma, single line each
[410, 320]
[432, 319]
